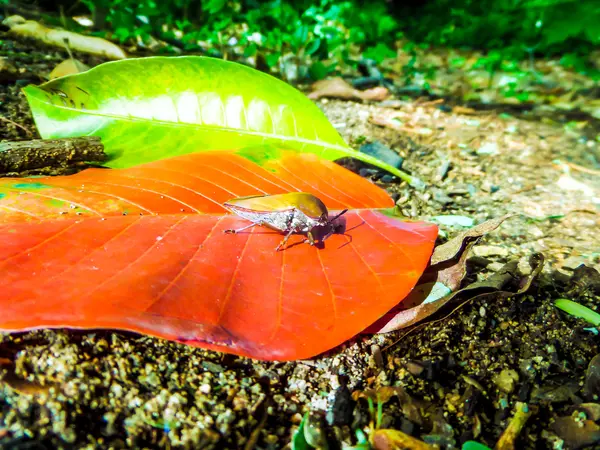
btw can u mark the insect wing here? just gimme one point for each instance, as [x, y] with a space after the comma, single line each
[276, 220]
[307, 203]
[310, 205]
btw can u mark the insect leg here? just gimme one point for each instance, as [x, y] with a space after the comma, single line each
[285, 239]
[290, 219]
[231, 231]
[311, 239]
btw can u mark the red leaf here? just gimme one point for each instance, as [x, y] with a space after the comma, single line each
[166, 271]
[194, 183]
[181, 278]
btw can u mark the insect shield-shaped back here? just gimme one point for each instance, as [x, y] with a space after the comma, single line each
[295, 212]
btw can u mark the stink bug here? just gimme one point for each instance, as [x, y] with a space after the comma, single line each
[295, 212]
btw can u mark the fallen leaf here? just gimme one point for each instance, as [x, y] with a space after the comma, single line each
[51, 36]
[494, 285]
[591, 387]
[339, 88]
[576, 433]
[397, 440]
[152, 108]
[432, 292]
[452, 248]
[439, 284]
[591, 410]
[178, 276]
[182, 278]
[420, 412]
[68, 67]
[190, 184]
[8, 72]
[585, 280]
[395, 123]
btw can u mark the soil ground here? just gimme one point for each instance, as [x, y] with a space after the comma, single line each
[73, 389]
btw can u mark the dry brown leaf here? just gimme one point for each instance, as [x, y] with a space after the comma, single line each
[575, 432]
[395, 123]
[68, 67]
[463, 110]
[421, 412]
[443, 277]
[451, 249]
[339, 88]
[51, 36]
[505, 283]
[18, 384]
[385, 120]
[397, 440]
[440, 281]
[26, 387]
[8, 72]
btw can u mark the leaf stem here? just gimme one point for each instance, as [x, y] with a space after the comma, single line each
[410, 179]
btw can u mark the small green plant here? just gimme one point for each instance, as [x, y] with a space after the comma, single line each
[578, 310]
[474, 445]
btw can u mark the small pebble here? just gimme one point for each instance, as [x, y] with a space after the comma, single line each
[490, 250]
[506, 380]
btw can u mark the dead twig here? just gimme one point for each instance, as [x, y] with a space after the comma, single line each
[4, 119]
[583, 169]
[23, 156]
[516, 424]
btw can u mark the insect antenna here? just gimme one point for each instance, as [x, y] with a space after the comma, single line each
[338, 216]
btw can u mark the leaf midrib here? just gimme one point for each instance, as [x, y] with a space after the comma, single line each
[347, 149]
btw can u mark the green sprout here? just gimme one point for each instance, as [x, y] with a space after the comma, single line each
[578, 310]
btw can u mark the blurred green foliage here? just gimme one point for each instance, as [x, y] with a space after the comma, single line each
[322, 30]
[517, 26]
[318, 36]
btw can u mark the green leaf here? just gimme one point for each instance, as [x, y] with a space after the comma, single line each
[272, 59]
[214, 6]
[299, 37]
[578, 310]
[319, 71]
[152, 108]
[313, 46]
[298, 439]
[379, 52]
[250, 50]
[474, 445]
